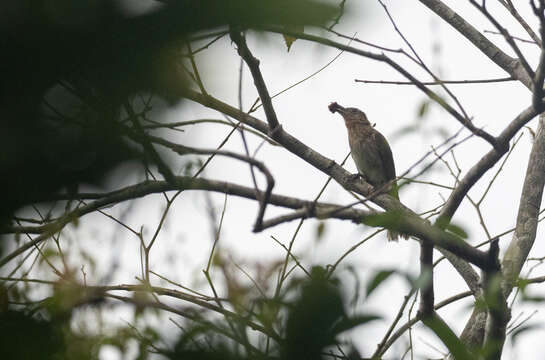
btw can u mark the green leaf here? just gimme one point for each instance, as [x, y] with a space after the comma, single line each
[378, 279]
[423, 109]
[447, 336]
[457, 230]
[389, 220]
[320, 229]
[409, 129]
[521, 283]
[288, 39]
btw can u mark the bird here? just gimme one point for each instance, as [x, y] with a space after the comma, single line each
[371, 153]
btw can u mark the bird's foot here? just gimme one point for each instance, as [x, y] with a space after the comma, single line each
[354, 177]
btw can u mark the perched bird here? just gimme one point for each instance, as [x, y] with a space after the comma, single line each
[371, 153]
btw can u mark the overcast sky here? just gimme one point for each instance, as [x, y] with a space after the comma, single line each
[302, 111]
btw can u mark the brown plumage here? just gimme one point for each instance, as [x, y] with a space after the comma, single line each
[371, 153]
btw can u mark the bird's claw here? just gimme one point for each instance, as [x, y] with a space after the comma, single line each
[354, 177]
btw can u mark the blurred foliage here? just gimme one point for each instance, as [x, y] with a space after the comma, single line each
[320, 230]
[25, 337]
[458, 350]
[421, 124]
[307, 320]
[377, 279]
[314, 320]
[68, 67]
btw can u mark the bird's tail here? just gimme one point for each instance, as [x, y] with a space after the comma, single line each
[394, 235]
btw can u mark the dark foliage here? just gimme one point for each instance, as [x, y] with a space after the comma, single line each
[68, 66]
[24, 337]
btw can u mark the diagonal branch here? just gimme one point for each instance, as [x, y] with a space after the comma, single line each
[401, 330]
[437, 82]
[506, 35]
[383, 58]
[527, 219]
[155, 187]
[409, 222]
[510, 65]
[511, 8]
[483, 165]
[163, 168]
[263, 198]
[421, 62]
[253, 65]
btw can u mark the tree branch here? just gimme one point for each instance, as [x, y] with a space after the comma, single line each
[508, 38]
[511, 8]
[523, 238]
[426, 272]
[439, 82]
[510, 65]
[163, 168]
[253, 65]
[483, 165]
[263, 198]
[154, 187]
[401, 330]
[498, 312]
[538, 91]
[383, 58]
[527, 218]
[409, 222]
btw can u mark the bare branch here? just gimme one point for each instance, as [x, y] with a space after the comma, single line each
[483, 165]
[164, 169]
[498, 312]
[401, 330]
[507, 37]
[527, 218]
[366, 43]
[426, 272]
[421, 62]
[173, 125]
[382, 343]
[511, 8]
[410, 223]
[263, 198]
[383, 58]
[439, 82]
[338, 17]
[538, 91]
[253, 65]
[154, 187]
[510, 65]
[514, 37]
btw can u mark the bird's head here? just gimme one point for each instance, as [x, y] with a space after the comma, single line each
[349, 114]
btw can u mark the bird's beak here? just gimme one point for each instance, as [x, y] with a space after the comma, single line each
[334, 107]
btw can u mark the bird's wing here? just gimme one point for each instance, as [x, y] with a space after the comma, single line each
[386, 156]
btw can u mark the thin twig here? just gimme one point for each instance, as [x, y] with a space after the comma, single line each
[438, 82]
